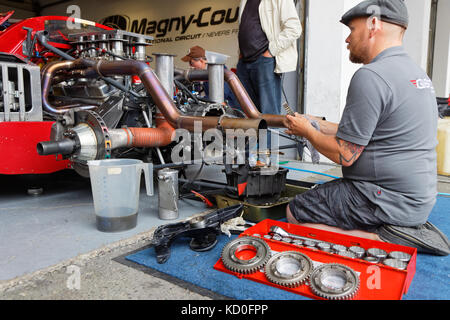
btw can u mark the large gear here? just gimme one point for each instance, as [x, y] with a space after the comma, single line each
[334, 281]
[288, 269]
[234, 263]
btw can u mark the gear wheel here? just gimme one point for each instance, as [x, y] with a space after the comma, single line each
[334, 281]
[231, 250]
[288, 269]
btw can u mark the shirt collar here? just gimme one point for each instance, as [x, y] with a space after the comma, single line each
[389, 52]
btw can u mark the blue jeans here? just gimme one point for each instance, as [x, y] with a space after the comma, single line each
[262, 83]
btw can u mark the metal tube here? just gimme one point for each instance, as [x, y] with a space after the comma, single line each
[117, 46]
[153, 87]
[216, 83]
[140, 46]
[191, 74]
[103, 42]
[249, 108]
[92, 45]
[160, 136]
[47, 79]
[188, 122]
[240, 123]
[167, 165]
[81, 46]
[42, 38]
[241, 95]
[208, 184]
[65, 146]
[164, 70]
[273, 120]
[161, 97]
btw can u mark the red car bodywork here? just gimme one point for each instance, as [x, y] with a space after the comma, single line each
[18, 140]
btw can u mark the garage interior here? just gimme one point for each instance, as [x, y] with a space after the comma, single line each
[48, 223]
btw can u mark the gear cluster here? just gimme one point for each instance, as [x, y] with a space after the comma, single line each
[334, 281]
[233, 255]
[290, 269]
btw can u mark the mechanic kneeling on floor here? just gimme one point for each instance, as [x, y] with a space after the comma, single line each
[385, 141]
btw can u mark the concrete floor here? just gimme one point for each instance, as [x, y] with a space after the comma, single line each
[40, 231]
[101, 278]
[100, 273]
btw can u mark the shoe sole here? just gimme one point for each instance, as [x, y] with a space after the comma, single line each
[391, 234]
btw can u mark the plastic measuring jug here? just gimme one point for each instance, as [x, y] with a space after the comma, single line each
[115, 188]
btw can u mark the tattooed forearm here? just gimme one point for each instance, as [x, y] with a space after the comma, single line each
[349, 152]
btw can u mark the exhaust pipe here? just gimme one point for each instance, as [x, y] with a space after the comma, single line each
[48, 77]
[161, 97]
[64, 147]
[216, 82]
[241, 95]
[273, 120]
[151, 82]
[139, 137]
[164, 70]
[249, 108]
[160, 136]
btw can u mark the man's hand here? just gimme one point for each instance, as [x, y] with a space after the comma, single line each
[340, 151]
[298, 125]
[267, 54]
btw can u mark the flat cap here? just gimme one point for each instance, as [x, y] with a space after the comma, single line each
[392, 11]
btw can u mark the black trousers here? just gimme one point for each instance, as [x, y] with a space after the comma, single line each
[336, 203]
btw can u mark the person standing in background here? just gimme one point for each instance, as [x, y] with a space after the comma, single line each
[268, 33]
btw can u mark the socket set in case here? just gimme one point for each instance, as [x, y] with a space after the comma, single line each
[319, 264]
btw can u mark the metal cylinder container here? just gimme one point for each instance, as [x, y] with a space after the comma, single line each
[168, 194]
[164, 71]
[216, 82]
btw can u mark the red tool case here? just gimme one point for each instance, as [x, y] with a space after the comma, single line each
[377, 281]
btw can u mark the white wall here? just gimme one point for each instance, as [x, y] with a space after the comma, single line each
[417, 35]
[329, 70]
[347, 67]
[441, 69]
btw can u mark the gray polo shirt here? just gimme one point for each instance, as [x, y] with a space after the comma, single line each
[391, 110]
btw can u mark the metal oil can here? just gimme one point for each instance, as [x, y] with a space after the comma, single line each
[168, 194]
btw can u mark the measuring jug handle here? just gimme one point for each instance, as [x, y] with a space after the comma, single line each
[148, 175]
